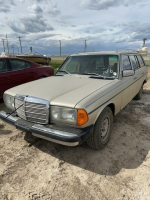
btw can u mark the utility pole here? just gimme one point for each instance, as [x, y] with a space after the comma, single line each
[7, 44]
[3, 44]
[60, 46]
[13, 49]
[85, 45]
[20, 43]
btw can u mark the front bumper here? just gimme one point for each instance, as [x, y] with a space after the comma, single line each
[59, 134]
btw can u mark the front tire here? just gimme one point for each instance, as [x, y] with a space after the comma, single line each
[102, 130]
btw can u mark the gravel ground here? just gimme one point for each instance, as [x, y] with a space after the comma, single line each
[32, 168]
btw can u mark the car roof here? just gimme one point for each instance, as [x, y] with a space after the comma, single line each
[105, 53]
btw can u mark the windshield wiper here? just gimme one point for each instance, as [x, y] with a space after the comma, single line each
[63, 71]
[98, 76]
[94, 75]
[91, 74]
[102, 77]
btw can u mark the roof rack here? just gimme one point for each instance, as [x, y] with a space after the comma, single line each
[126, 50]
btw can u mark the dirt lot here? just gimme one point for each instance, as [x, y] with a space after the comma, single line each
[32, 168]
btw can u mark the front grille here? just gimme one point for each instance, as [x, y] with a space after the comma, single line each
[32, 109]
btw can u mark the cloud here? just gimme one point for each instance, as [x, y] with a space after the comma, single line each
[6, 2]
[105, 4]
[135, 30]
[40, 36]
[30, 24]
[41, 1]
[5, 6]
[35, 8]
[53, 10]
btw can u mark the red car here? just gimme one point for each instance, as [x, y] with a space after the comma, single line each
[16, 71]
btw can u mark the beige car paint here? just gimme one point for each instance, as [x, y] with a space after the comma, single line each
[80, 91]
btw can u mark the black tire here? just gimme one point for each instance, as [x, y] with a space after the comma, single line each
[139, 94]
[98, 140]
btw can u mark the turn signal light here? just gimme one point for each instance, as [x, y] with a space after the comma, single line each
[82, 117]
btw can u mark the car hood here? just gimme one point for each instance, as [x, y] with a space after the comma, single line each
[65, 90]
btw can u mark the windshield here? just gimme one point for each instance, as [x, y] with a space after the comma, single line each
[98, 65]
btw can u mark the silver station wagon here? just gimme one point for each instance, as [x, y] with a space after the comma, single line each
[79, 103]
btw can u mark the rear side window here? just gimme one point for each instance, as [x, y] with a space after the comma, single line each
[138, 64]
[18, 64]
[134, 63]
[140, 61]
[3, 66]
[28, 64]
[126, 63]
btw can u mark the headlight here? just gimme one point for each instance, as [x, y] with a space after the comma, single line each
[9, 101]
[69, 115]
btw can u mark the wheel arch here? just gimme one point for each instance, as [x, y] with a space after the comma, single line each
[111, 105]
[145, 81]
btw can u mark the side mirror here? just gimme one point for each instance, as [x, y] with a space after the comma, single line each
[127, 73]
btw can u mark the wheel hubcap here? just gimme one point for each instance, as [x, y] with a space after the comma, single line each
[105, 127]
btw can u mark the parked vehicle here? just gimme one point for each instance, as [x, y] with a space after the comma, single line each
[16, 71]
[79, 103]
[36, 57]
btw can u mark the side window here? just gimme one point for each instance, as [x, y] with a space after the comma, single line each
[134, 63]
[28, 64]
[126, 63]
[3, 66]
[137, 62]
[17, 64]
[140, 61]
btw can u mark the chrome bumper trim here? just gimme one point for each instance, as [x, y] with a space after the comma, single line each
[53, 131]
[56, 141]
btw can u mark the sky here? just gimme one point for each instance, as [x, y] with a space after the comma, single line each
[104, 24]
